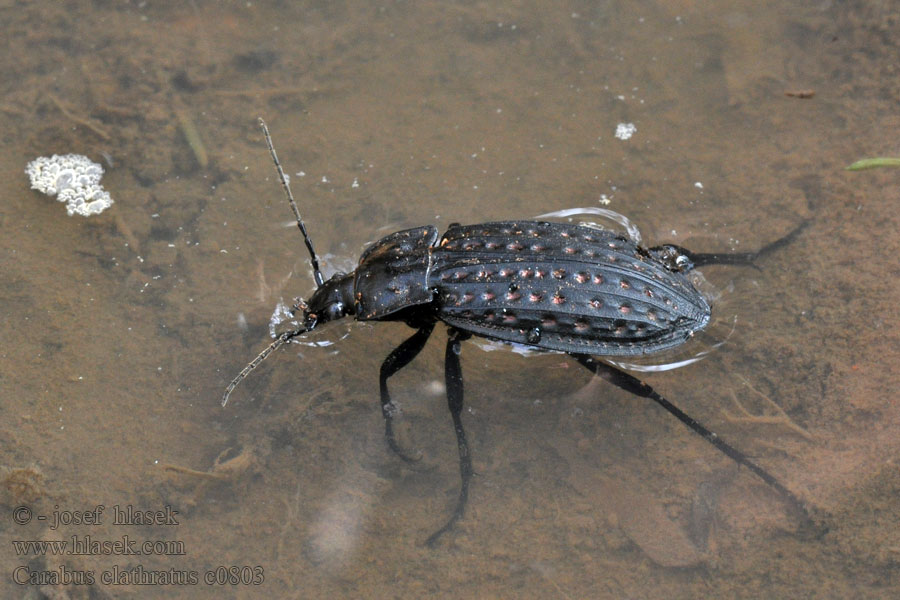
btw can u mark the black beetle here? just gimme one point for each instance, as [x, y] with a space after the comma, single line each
[551, 286]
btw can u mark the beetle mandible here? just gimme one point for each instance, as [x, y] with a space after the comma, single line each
[556, 287]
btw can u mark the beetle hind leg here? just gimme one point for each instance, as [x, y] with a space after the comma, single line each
[454, 381]
[745, 258]
[401, 356]
[632, 384]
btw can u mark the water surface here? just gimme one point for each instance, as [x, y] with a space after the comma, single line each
[120, 331]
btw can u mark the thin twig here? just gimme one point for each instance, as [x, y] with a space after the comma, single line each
[80, 120]
[779, 418]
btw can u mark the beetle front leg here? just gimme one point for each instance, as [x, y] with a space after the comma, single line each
[401, 356]
[454, 381]
[632, 384]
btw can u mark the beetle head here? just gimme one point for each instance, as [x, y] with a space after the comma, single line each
[331, 301]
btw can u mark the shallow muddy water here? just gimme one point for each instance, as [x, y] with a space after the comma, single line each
[716, 126]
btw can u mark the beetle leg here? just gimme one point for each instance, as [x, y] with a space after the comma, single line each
[632, 384]
[743, 258]
[454, 380]
[401, 356]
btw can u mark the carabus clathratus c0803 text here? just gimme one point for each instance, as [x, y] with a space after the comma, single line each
[583, 291]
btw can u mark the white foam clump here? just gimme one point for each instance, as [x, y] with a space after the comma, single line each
[624, 131]
[73, 179]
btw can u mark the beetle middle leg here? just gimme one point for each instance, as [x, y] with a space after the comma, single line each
[632, 384]
[454, 381]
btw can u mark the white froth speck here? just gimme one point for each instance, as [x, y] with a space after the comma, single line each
[624, 131]
[73, 179]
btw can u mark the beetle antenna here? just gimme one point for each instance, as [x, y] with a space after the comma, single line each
[280, 341]
[317, 273]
